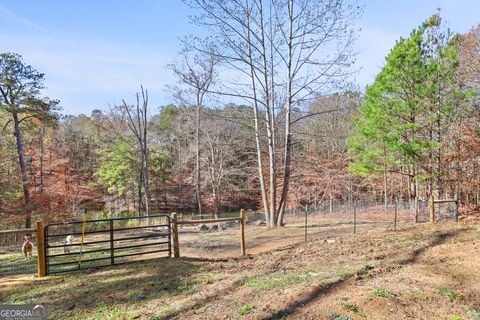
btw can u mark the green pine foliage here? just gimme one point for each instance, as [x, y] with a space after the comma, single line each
[116, 171]
[405, 110]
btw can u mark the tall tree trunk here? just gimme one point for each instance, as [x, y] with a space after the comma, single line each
[288, 142]
[216, 198]
[165, 193]
[138, 124]
[261, 166]
[42, 154]
[146, 175]
[272, 176]
[139, 187]
[257, 127]
[401, 185]
[438, 160]
[198, 195]
[414, 193]
[385, 180]
[286, 174]
[270, 120]
[146, 190]
[23, 170]
[409, 189]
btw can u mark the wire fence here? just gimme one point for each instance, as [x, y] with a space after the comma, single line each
[17, 254]
[136, 238]
[446, 211]
[324, 220]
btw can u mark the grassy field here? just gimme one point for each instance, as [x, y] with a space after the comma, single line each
[417, 272]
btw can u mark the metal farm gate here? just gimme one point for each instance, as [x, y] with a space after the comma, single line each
[79, 245]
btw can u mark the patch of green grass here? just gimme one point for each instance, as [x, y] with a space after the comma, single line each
[280, 314]
[105, 312]
[16, 263]
[169, 312]
[336, 316]
[186, 288]
[456, 318]
[276, 280]
[406, 237]
[352, 307]
[206, 279]
[232, 264]
[379, 292]
[342, 273]
[474, 313]
[246, 309]
[449, 293]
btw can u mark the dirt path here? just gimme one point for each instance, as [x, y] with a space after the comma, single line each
[434, 281]
[225, 244]
[418, 273]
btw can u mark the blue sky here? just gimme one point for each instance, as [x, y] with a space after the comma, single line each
[96, 53]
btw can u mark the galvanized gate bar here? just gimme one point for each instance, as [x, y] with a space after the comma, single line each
[115, 251]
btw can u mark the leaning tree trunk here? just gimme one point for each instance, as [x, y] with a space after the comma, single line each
[23, 170]
[286, 179]
[260, 167]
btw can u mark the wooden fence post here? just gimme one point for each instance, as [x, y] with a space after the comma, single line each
[432, 208]
[395, 219]
[242, 231]
[176, 245]
[41, 249]
[354, 217]
[416, 208]
[306, 223]
[457, 204]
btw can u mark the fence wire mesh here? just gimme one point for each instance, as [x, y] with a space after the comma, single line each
[12, 258]
[323, 221]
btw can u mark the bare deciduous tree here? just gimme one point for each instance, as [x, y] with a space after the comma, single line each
[137, 121]
[282, 54]
[196, 73]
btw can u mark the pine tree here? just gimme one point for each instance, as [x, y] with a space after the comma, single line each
[402, 117]
[20, 86]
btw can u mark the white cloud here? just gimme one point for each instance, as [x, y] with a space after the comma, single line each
[88, 73]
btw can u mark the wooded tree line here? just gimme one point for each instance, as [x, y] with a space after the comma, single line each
[265, 119]
[416, 118]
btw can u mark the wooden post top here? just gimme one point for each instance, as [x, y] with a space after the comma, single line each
[42, 272]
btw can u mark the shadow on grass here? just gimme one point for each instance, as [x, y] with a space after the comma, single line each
[440, 238]
[115, 287]
[15, 263]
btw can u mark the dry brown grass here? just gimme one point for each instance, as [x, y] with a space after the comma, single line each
[418, 272]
